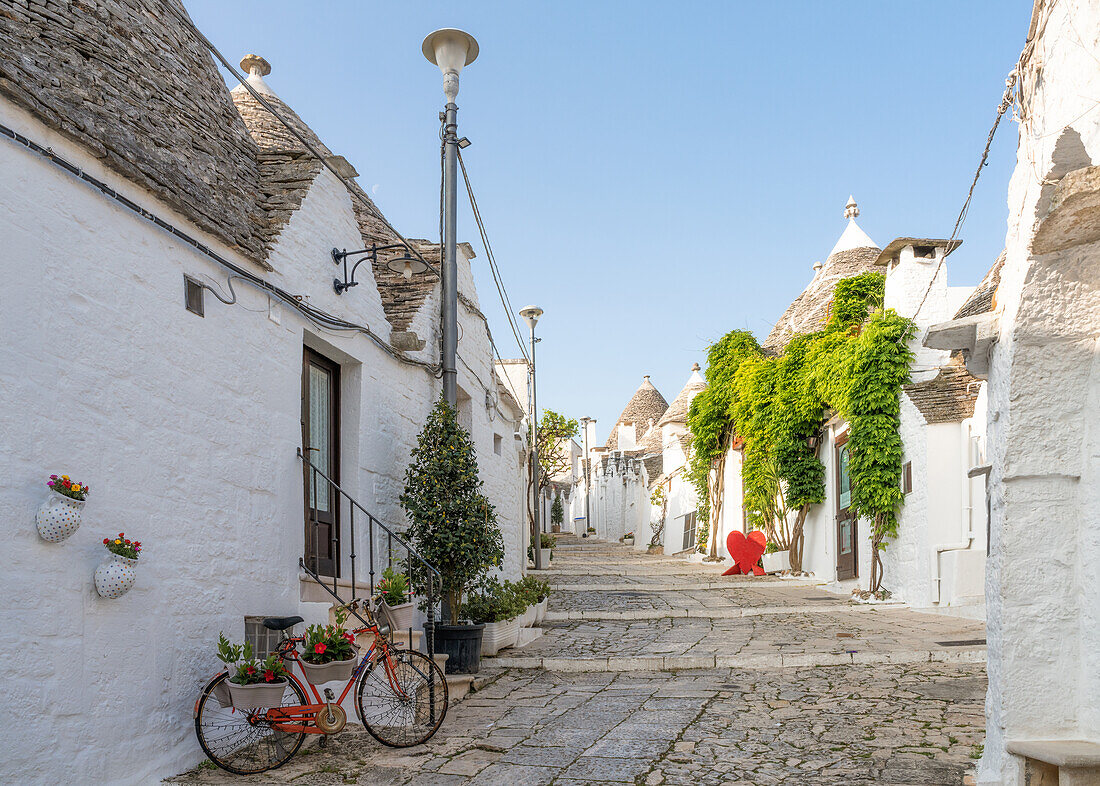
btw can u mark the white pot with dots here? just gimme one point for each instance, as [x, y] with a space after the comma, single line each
[59, 517]
[115, 576]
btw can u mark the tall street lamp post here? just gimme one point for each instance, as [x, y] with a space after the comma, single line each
[531, 316]
[450, 49]
[587, 482]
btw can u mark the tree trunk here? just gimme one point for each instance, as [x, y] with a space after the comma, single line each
[798, 539]
[716, 490]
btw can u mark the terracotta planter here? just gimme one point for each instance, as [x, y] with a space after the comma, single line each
[260, 695]
[59, 517]
[328, 672]
[401, 616]
[499, 635]
[115, 576]
[776, 562]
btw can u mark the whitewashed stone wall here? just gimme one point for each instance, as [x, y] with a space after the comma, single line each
[186, 429]
[1043, 586]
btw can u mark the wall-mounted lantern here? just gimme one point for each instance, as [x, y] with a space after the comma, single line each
[406, 264]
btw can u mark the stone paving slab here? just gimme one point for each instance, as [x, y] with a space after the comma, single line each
[746, 681]
[883, 724]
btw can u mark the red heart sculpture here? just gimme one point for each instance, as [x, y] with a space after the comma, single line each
[746, 552]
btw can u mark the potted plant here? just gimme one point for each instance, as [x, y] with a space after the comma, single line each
[453, 526]
[59, 516]
[393, 591]
[628, 539]
[547, 542]
[775, 560]
[557, 513]
[542, 599]
[499, 607]
[254, 683]
[329, 651]
[115, 576]
[526, 599]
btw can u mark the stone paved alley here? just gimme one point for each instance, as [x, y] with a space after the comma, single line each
[656, 671]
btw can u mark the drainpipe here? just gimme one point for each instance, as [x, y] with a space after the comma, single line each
[968, 522]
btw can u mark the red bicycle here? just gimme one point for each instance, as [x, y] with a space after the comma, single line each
[401, 698]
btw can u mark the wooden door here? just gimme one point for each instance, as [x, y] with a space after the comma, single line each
[847, 555]
[320, 432]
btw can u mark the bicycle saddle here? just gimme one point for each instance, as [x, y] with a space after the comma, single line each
[281, 623]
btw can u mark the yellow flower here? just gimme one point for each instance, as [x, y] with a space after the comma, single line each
[118, 541]
[65, 477]
[76, 487]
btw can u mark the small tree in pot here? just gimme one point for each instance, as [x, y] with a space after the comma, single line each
[557, 514]
[452, 525]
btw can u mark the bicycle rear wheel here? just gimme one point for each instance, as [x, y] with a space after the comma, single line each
[240, 741]
[411, 714]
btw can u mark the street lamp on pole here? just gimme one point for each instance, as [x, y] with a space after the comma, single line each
[450, 49]
[587, 483]
[531, 316]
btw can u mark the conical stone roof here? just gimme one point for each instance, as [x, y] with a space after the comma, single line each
[677, 411]
[854, 253]
[647, 404]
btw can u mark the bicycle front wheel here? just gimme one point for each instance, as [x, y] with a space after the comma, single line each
[403, 698]
[241, 741]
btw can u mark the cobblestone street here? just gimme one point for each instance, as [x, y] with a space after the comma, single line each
[656, 671]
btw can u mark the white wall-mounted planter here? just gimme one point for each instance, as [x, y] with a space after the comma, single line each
[776, 562]
[115, 576]
[59, 517]
[402, 615]
[499, 635]
[262, 694]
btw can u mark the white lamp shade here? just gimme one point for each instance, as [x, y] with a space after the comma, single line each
[450, 49]
[531, 315]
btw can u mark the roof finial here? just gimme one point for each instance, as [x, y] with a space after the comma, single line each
[694, 366]
[851, 210]
[255, 69]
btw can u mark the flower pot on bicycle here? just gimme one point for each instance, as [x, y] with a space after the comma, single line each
[260, 694]
[328, 672]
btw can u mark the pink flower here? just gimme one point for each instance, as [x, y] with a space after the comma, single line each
[319, 648]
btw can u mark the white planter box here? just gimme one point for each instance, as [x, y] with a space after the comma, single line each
[540, 610]
[262, 694]
[328, 672]
[499, 635]
[527, 618]
[776, 562]
[402, 616]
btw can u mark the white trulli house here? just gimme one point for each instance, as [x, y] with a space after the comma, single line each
[1037, 341]
[172, 337]
[937, 560]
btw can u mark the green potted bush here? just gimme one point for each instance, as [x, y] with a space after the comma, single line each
[453, 526]
[393, 591]
[547, 542]
[557, 513]
[499, 606]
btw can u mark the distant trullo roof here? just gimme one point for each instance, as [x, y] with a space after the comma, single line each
[854, 253]
[677, 411]
[647, 404]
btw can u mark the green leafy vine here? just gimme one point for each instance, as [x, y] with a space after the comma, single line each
[777, 406]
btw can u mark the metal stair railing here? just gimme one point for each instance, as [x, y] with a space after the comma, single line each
[432, 576]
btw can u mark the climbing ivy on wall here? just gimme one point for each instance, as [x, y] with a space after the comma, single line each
[855, 367]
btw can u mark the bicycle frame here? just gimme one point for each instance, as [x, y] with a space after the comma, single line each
[300, 717]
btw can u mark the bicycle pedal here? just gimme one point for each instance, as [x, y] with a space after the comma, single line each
[329, 695]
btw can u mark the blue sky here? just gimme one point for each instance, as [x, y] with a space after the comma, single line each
[656, 174]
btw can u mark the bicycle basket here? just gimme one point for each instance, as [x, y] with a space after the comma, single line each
[383, 619]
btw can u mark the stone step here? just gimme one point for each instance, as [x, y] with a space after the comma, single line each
[748, 662]
[683, 586]
[733, 612]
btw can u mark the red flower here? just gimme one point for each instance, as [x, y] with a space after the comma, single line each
[350, 638]
[319, 648]
[250, 670]
[269, 676]
[106, 541]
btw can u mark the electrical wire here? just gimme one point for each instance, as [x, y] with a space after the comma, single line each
[1007, 100]
[493, 268]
